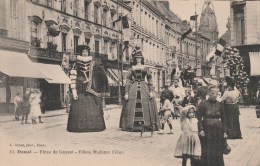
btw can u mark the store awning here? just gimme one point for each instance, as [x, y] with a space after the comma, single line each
[210, 81]
[117, 75]
[254, 63]
[54, 72]
[16, 64]
[111, 82]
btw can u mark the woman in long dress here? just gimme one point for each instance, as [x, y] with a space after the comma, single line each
[89, 82]
[211, 126]
[139, 107]
[231, 98]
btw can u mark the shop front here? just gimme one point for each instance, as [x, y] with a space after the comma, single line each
[17, 72]
[54, 88]
[251, 58]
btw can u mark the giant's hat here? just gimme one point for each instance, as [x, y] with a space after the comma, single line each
[137, 53]
[80, 48]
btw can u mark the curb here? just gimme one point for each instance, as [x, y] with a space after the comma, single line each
[57, 114]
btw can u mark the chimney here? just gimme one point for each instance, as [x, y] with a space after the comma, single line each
[166, 4]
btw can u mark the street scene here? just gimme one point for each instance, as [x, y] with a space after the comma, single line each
[129, 82]
[146, 150]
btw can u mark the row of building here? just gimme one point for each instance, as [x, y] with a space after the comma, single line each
[46, 30]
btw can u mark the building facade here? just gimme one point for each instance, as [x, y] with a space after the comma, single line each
[245, 35]
[12, 43]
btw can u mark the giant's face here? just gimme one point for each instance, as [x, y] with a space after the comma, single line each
[138, 59]
[85, 53]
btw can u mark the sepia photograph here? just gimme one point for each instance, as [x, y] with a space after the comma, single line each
[130, 82]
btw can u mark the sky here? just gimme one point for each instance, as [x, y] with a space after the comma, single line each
[186, 8]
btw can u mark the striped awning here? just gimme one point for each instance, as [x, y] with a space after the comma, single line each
[111, 82]
[116, 76]
[254, 63]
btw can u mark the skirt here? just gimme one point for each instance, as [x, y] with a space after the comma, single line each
[188, 145]
[86, 114]
[232, 121]
[35, 111]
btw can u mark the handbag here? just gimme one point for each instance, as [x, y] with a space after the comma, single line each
[226, 147]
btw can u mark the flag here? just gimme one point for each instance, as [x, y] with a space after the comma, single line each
[220, 47]
[186, 33]
[126, 45]
[125, 22]
[117, 20]
[211, 55]
[193, 18]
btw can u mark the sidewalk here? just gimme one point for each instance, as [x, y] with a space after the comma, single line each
[8, 117]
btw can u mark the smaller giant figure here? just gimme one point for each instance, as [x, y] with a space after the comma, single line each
[89, 82]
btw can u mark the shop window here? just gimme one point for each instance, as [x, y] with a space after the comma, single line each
[86, 10]
[87, 41]
[76, 43]
[105, 46]
[63, 6]
[104, 17]
[49, 3]
[96, 47]
[64, 41]
[76, 8]
[113, 25]
[96, 14]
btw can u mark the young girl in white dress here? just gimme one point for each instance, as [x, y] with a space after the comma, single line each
[188, 145]
[35, 100]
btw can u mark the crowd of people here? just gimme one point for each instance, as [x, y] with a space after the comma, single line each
[28, 106]
[217, 117]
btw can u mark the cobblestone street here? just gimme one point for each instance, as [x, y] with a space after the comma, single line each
[113, 146]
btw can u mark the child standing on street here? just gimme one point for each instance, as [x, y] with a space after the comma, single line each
[188, 145]
[166, 113]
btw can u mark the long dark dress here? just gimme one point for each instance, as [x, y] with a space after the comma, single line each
[231, 98]
[86, 113]
[211, 120]
[139, 109]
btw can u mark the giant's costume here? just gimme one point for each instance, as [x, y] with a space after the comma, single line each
[140, 109]
[89, 82]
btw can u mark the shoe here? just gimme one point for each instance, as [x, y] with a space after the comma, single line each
[170, 132]
[41, 122]
[161, 132]
[27, 123]
[22, 123]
